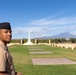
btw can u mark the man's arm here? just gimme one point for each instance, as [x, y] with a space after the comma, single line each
[4, 74]
[2, 62]
[16, 73]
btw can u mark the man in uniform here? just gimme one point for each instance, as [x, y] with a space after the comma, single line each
[6, 62]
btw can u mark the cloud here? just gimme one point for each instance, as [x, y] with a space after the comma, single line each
[21, 30]
[48, 26]
[59, 21]
[70, 27]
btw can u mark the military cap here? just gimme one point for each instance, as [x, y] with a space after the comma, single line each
[5, 25]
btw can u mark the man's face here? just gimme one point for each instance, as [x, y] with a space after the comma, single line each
[5, 35]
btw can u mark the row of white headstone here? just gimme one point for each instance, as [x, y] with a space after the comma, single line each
[61, 45]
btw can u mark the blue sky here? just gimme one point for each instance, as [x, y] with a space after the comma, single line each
[39, 17]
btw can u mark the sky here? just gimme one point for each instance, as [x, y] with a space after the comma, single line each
[39, 17]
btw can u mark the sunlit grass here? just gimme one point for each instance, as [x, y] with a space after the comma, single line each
[57, 52]
[23, 62]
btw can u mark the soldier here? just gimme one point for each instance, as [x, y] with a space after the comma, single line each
[6, 62]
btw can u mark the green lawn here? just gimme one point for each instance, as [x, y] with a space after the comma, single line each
[23, 62]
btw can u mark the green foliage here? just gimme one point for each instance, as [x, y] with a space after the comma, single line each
[57, 40]
[73, 40]
[43, 40]
[61, 40]
[18, 40]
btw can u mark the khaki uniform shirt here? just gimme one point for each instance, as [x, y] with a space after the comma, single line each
[6, 62]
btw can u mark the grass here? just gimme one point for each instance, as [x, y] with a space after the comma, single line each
[23, 62]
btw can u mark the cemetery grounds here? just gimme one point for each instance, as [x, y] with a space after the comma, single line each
[23, 60]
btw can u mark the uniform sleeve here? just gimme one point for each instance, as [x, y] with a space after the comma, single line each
[2, 60]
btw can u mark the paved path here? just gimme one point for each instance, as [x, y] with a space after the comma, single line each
[36, 49]
[52, 61]
[41, 53]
